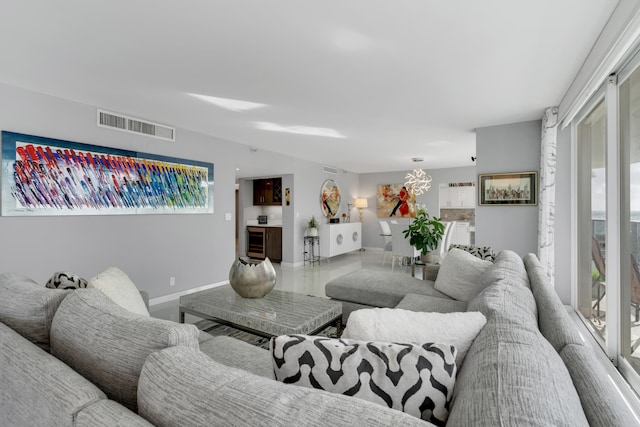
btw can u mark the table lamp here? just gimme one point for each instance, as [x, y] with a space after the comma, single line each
[361, 204]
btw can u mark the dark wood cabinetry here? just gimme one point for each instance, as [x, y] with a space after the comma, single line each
[274, 243]
[265, 242]
[267, 192]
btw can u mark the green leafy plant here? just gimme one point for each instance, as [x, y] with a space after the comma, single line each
[425, 232]
[313, 222]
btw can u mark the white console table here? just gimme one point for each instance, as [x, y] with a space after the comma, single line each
[337, 239]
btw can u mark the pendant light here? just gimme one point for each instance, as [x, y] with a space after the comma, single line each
[418, 181]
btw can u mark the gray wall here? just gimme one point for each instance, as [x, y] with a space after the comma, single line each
[508, 148]
[368, 187]
[198, 249]
[195, 249]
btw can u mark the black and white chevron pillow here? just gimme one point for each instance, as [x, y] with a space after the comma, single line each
[416, 379]
[482, 252]
[65, 280]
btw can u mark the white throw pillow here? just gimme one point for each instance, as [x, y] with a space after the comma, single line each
[117, 286]
[397, 325]
[416, 379]
[459, 275]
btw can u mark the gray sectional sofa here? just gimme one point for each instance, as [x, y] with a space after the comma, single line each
[76, 358]
[527, 366]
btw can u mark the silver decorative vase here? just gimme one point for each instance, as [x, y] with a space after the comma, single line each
[252, 280]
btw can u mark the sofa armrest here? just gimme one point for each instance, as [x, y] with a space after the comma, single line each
[414, 302]
[431, 271]
[145, 298]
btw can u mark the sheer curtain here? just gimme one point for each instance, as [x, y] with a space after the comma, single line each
[546, 205]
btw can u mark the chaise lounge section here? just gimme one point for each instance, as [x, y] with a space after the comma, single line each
[527, 366]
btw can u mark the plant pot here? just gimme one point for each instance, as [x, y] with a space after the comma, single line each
[426, 258]
[312, 232]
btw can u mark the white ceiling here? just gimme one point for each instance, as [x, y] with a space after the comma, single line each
[397, 78]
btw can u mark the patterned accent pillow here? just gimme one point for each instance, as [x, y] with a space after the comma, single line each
[416, 379]
[482, 252]
[66, 280]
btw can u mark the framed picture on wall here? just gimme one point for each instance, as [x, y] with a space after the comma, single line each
[395, 201]
[330, 198]
[516, 188]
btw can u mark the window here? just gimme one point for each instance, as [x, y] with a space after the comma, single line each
[608, 219]
[592, 286]
[629, 100]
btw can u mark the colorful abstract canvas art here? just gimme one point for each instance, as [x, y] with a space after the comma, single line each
[43, 176]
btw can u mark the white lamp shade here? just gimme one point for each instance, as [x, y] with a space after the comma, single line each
[361, 203]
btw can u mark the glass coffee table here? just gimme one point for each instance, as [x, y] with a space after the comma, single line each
[277, 313]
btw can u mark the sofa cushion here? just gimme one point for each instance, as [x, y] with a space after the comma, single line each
[66, 280]
[108, 344]
[239, 354]
[416, 379]
[28, 307]
[507, 293]
[508, 303]
[107, 413]
[181, 386]
[416, 302]
[396, 325]
[36, 389]
[459, 275]
[512, 377]
[117, 286]
[378, 288]
[553, 319]
[601, 401]
[511, 374]
[508, 267]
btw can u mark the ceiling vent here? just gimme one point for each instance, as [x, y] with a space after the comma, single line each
[107, 119]
[329, 169]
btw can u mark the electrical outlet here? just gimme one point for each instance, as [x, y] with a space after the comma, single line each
[172, 281]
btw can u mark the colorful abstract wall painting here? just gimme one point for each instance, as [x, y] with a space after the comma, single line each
[43, 176]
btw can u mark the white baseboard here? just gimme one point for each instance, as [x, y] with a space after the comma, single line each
[176, 295]
[292, 264]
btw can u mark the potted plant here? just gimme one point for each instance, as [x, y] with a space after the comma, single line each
[425, 232]
[312, 226]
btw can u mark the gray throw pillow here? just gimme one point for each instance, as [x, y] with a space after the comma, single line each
[108, 344]
[459, 275]
[28, 307]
